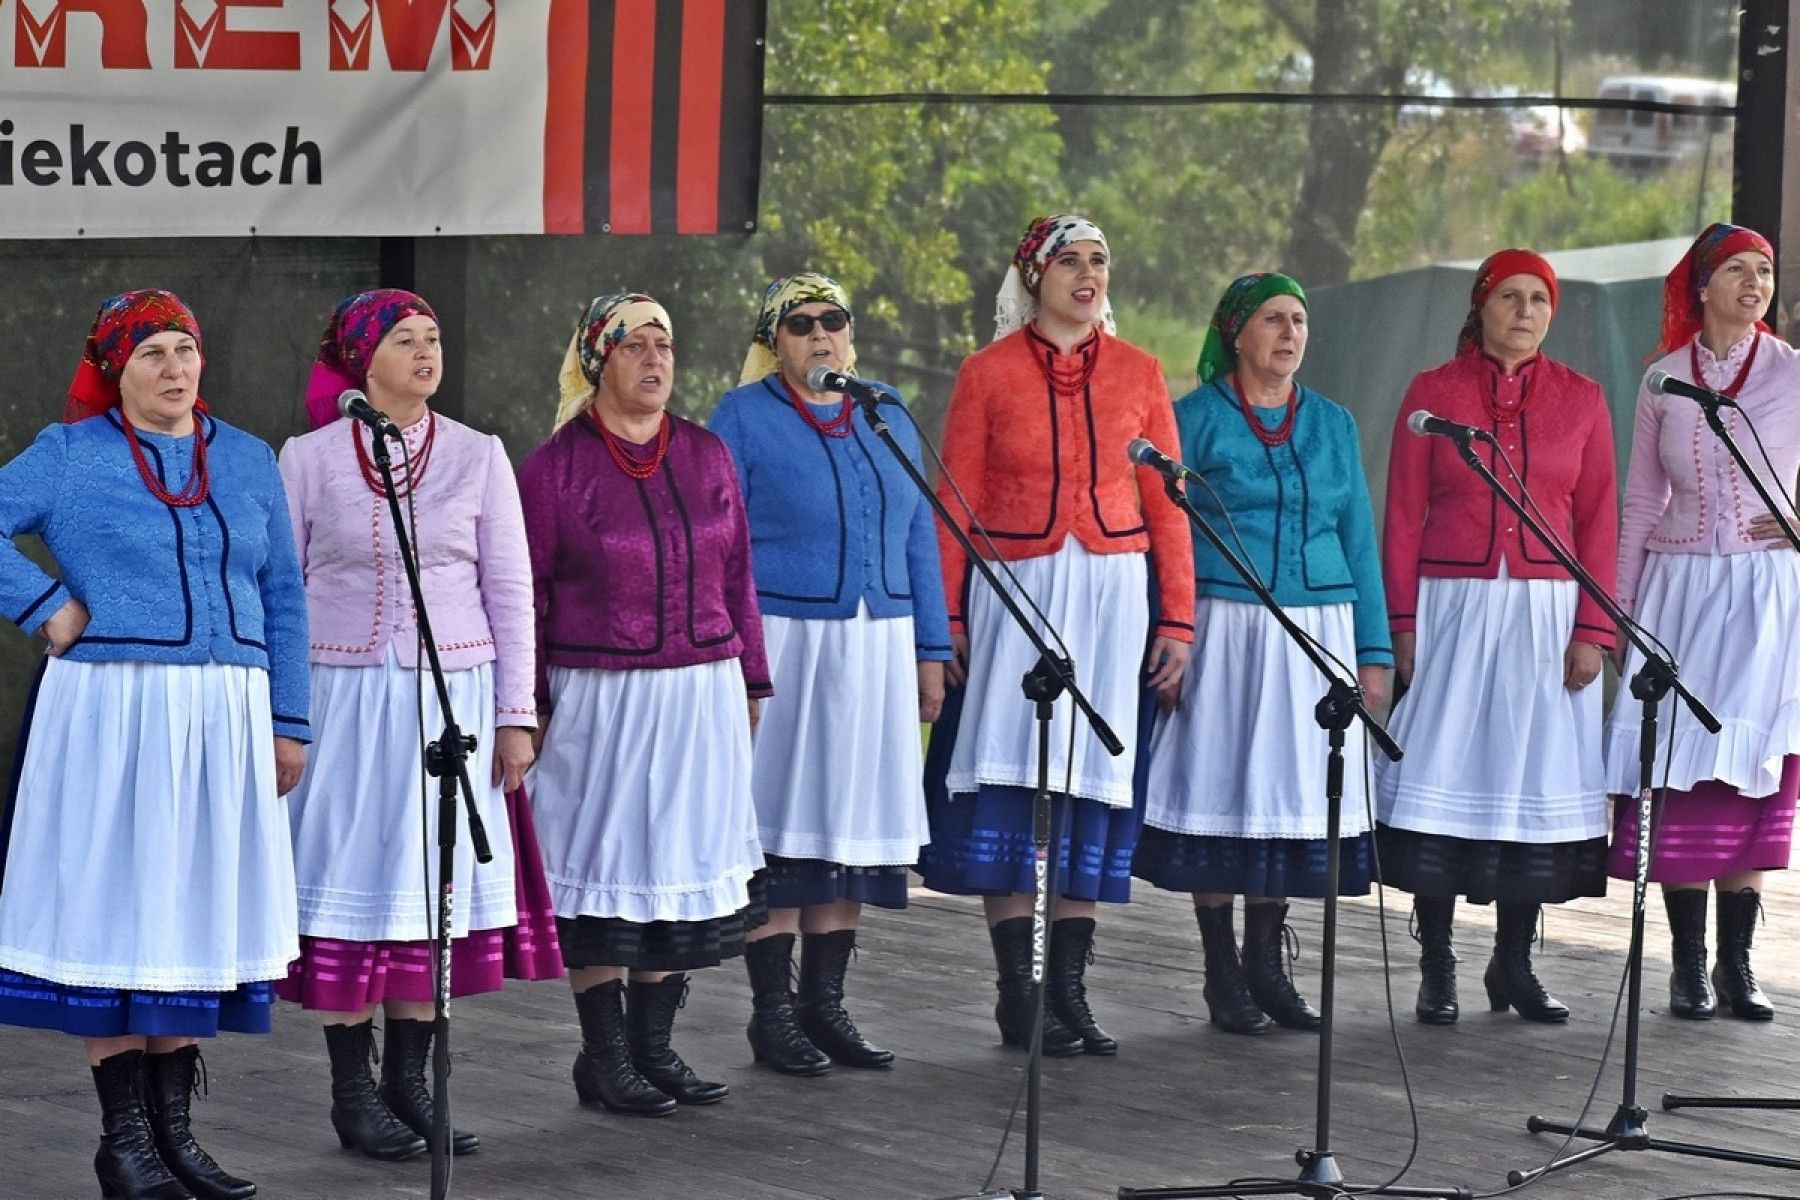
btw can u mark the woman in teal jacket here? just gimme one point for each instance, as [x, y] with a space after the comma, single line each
[1236, 782]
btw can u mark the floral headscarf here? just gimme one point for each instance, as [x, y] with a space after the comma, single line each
[1243, 296]
[1502, 264]
[120, 324]
[1047, 237]
[356, 328]
[1681, 318]
[607, 321]
[780, 298]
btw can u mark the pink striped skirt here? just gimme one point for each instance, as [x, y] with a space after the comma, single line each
[334, 975]
[1709, 831]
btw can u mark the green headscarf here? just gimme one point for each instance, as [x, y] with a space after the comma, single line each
[1242, 298]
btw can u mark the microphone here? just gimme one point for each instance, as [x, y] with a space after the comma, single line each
[354, 405]
[1144, 453]
[823, 379]
[1665, 384]
[1423, 423]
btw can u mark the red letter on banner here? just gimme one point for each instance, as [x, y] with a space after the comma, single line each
[471, 42]
[409, 29]
[124, 33]
[213, 45]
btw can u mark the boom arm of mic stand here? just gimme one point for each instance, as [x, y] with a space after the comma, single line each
[1716, 423]
[1344, 692]
[1055, 662]
[1656, 664]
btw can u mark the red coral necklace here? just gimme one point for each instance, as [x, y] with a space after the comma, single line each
[199, 483]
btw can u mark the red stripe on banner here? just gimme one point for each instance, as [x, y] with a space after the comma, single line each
[633, 109]
[702, 78]
[565, 116]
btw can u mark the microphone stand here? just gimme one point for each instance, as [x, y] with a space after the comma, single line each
[1629, 1128]
[1716, 423]
[1053, 675]
[1320, 1177]
[447, 761]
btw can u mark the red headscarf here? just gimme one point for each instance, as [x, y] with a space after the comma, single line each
[1502, 264]
[356, 327]
[1681, 287]
[121, 323]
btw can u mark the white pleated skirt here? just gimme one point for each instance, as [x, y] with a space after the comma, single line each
[1242, 755]
[365, 815]
[1733, 622]
[838, 771]
[1496, 747]
[149, 850]
[642, 793]
[1100, 605]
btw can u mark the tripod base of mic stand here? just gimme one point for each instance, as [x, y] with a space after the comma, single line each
[1630, 1130]
[1320, 1179]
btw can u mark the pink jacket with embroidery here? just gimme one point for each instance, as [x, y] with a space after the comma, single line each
[475, 569]
[1683, 492]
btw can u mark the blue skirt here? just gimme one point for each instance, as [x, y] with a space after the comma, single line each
[35, 1003]
[1187, 862]
[800, 882]
[981, 842]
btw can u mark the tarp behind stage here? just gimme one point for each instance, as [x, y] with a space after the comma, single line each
[1370, 337]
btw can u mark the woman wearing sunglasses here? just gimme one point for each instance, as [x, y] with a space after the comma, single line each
[847, 577]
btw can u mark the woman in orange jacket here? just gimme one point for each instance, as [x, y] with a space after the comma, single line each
[1035, 443]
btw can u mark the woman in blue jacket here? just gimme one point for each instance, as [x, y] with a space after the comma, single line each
[846, 564]
[148, 895]
[1236, 784]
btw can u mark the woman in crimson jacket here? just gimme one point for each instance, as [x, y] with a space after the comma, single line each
[1035, 440]
[1502, 795]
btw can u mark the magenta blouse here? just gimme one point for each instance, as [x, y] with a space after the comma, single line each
[635, 575]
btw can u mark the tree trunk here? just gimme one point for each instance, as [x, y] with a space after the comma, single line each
[1344, 142]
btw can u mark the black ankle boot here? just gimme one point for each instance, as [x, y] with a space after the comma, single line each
[649, 1023]
[1017, 1006]
[1229, 1004]
[1436, 917]
[1265, 972]
[171, 1080]
[362, 1121]
[824, 960]
[127, 1163]
[405, 1049]
[1071, 949]
[1510, 979]
[1690, 995]
[1731, 975]
[604, 1073]
[774, 1032]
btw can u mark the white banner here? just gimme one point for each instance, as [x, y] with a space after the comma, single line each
[156, 118]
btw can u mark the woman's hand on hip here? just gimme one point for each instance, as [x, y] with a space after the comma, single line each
[1765, 528]
[64, 626]
[1581, 665]
[956, 671]
[513, 755]
[1373, 679]
[290, 764]
[1405, 649]
[931, 691]
[1164, 667]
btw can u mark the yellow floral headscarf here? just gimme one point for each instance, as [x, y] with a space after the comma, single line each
[607, 321]
[781, 298]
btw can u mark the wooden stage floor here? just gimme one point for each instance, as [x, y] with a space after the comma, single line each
[1181, 1103]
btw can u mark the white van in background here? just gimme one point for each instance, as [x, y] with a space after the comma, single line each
[1642, 141]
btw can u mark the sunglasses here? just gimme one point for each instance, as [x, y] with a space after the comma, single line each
[801, 324]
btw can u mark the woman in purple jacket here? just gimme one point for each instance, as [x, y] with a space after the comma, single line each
[365, 855]
[650, 673]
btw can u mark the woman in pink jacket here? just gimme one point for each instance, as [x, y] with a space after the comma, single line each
[1708, 571]
[1501, 797]
[365, 850]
